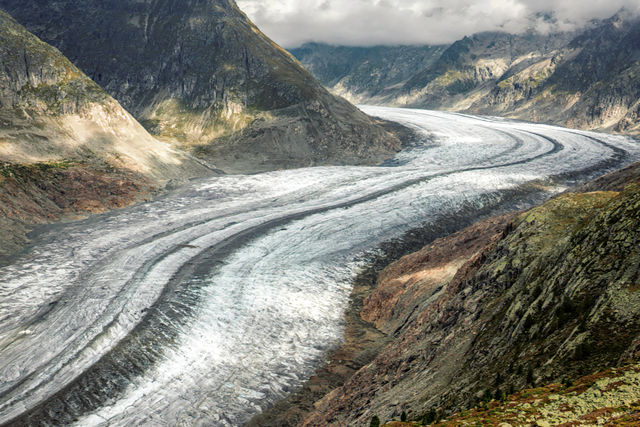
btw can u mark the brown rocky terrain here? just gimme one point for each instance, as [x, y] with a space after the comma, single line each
[419, 276]
[41, 193]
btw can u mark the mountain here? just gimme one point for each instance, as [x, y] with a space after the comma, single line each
[66, 146]
[584, 79]
[590, 83]
[470, 68]
[365, 74]
[199, 74]
[427, 76]
[519, 300]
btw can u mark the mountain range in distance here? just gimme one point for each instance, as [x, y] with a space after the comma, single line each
[586, 79]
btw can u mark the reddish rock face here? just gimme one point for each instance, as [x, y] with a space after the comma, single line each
[37, 194]
[421, 275]
[37, 197]
[414, 294]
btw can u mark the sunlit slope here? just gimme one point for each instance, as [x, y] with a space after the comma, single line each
[66, 146]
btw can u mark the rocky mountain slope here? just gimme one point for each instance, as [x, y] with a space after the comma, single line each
[586, 79]
[544, 296]
[469, 68]
[365, 74]
[199, 74]
[610, 397]
[592, 82]
[66, 146]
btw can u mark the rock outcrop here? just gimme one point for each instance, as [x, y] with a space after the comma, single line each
[590, 83]
[548, 295]
[199, 74]
[467, 71]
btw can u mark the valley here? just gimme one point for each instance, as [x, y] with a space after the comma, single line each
[225, 294]
[201, 227]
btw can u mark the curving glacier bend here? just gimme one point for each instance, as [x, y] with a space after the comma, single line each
[217, 299]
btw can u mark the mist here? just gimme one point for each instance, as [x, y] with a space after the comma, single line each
[389, 22]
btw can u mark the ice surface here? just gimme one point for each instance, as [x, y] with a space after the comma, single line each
[272, 256]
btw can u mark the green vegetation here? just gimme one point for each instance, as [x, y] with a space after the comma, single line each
[525, 83]
[21, 171]
[456, 81]
[174, 120]
[429, 418]
[67, 95]
[609, 397]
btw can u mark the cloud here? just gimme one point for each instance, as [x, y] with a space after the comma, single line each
[372, 22]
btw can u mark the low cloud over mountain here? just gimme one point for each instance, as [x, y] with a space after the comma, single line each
[371, 22]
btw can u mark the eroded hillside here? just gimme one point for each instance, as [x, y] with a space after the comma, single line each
[66, 146]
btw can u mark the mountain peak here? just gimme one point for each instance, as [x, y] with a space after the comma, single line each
[200, 75]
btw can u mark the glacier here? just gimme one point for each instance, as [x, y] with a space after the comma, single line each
[220, 297]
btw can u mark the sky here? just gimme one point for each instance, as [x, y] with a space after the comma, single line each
[371, 22]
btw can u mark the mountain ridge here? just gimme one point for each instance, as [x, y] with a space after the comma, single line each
[200, 75]
[585, 79]
[66, 147]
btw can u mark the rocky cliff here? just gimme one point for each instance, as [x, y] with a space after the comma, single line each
[468, 69]
[544, 296]
[66, 146]
[591, 83]
[199, 74]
